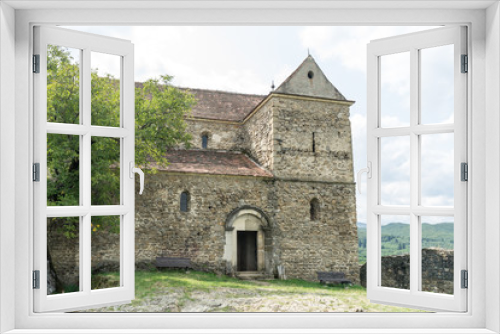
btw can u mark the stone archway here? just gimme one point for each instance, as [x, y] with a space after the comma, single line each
[248, 225]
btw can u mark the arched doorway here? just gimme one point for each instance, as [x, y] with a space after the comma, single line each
[247, 233]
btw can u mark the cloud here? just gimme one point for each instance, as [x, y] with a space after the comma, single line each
[347, 44]
[187, 53]
[437, 169]
[395, 170]
[105, 64]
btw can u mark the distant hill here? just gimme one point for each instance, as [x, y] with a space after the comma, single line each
[361, 225]
[396, 238]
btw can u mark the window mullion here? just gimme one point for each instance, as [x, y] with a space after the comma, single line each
[414, 170]
[85, 160]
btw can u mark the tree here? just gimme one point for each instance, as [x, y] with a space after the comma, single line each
[160, 110]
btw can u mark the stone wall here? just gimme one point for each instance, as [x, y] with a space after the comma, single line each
[295, 121]
[254, 137]
[437, 271]
[294, 242]
[298, 244]
[221, 135]
[258, 130]
[162, 230]
[329, 243]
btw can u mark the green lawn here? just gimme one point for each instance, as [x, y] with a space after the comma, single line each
[193, 291]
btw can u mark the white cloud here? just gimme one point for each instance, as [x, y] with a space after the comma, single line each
[105, 64]
[347, 44]
[187, 53]
[395, 170]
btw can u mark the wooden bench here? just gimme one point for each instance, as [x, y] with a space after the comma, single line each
[332, 277]
[173, 262]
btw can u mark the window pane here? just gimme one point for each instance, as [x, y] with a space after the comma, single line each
[63, 84]
[437, 172]
[63, 170]
[105, 171]
[437, 254]
[105, 89]
[395, 90]
[395, 251]
[63, 255]
[395, 170]
[437, 85]
[105, 252]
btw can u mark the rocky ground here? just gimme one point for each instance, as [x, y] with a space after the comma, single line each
[262, 297]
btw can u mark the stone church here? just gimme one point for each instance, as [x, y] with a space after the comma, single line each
[267, 188]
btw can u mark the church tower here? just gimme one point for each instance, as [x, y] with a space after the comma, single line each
[311, 127]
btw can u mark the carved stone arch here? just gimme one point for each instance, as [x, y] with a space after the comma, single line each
[248, 210]
[249, 243]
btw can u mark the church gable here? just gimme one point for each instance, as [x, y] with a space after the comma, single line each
[309, 80]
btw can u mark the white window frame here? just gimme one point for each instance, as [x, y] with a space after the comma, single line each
[413, 44]
[124, 51]
[484, 144]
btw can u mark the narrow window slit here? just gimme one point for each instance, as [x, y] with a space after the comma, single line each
[314, 143]
[185, 201]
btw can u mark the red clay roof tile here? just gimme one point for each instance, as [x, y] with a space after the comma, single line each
[213, 162]
[219, 105]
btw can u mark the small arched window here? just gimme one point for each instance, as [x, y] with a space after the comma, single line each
[204, 141]
[314, 209]
[185, 201]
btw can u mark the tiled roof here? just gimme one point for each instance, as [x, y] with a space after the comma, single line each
[219, 105]
[213, 162]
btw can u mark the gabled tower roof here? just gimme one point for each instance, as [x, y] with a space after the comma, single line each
[309, 80]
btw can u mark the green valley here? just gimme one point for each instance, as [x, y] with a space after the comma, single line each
[396, 238]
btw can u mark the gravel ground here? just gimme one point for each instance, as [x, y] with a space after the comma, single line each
[245, 300]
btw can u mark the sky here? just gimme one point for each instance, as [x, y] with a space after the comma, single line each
[249, 59]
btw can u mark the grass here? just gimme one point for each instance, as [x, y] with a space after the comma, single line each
[194, 288]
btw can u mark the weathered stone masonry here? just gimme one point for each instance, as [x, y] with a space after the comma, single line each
[302, 246]
[437, 271]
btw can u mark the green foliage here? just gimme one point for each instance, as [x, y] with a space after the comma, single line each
[396, 238]
[160, 110]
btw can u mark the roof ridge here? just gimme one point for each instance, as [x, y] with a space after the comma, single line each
[220, 91]
[207, 90]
